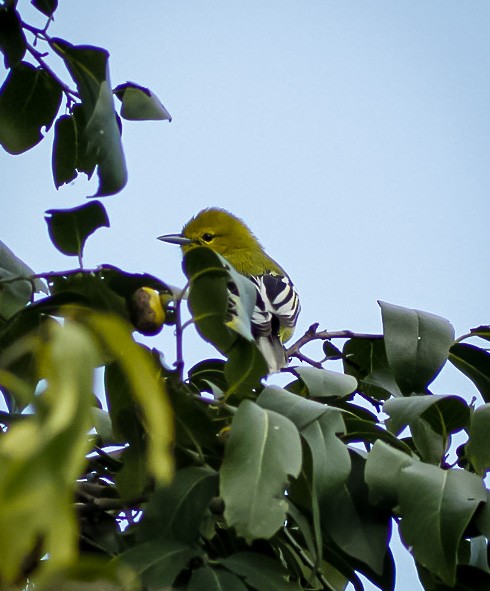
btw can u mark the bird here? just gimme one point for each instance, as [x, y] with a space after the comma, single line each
[277, 304]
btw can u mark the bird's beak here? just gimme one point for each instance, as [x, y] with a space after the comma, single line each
[175, 239]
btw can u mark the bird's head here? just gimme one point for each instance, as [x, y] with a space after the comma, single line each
[217, 229]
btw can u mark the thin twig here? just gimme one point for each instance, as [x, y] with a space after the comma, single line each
[312, 334]
[305, 359]
[307, 561]
[179, 330]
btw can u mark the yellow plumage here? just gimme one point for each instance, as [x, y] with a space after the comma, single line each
[277, 305]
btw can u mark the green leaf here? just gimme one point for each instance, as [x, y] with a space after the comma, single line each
[323, 383]
[366, 360]
[475, 364]
[47, 7]
[88, 66]
[478, 446]
[15, 292]
[259, 571]
[147, 388]
[159, 562]
[383, 466]
[70, 228]
[357, 528]
[210, 299]
[320, 426]
[140, 104]
[417, 345]
[431, 419]
[209, 376]
[263, 448]
[176, 511]
[43, 455]
[362, 431]
[445, 414]
[223, 318]
[214, 579]
[18, 359]
[71, 152]
[436, 506]
[482, 331]
[127, 428]
[29, 100]
[245, 368]
[88, 573]
[12, 38]
[482, 518]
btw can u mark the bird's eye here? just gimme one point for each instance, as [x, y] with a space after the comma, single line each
[207, 237]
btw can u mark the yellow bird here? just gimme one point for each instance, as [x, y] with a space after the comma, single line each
[277, 305]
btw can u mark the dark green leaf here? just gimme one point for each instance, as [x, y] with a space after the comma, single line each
[127, 429]
[362, 431]
[383, 466]
[89, 573]
[29, 100]
[245, 367]
[417, 345]
[195, 428]
[214, 579]
[436, 506]
[64, 151]
[366, 360]
[177, 510]
[71, 152]
[446, 414]
[12, 38]
[467, 579]
[70, 228]
[84, 288]
[323, 383]
[331, 351]
[140, 104]
[89, 69]
[475, 364]
[159, 562]
[14, 295]
[481, 331]
[259, 571]
[262, 450]
[209, 376]
[359, 529]
[47, 7]
[482, 518]
[478, 446]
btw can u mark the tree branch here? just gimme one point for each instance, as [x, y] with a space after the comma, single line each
[313, 334]
[39, 57]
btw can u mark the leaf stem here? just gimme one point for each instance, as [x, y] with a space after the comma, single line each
[39, 57]
[306, 560]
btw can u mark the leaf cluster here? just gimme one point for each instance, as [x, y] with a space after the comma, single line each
[87, 137]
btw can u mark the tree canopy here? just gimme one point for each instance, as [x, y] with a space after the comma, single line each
[120, 471]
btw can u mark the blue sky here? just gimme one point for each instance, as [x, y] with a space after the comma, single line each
[352, 136]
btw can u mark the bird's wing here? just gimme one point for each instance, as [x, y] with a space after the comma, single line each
[277, 305]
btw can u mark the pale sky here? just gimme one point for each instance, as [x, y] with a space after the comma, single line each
[352, 136]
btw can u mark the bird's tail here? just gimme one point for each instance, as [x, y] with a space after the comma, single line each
[273, 351]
